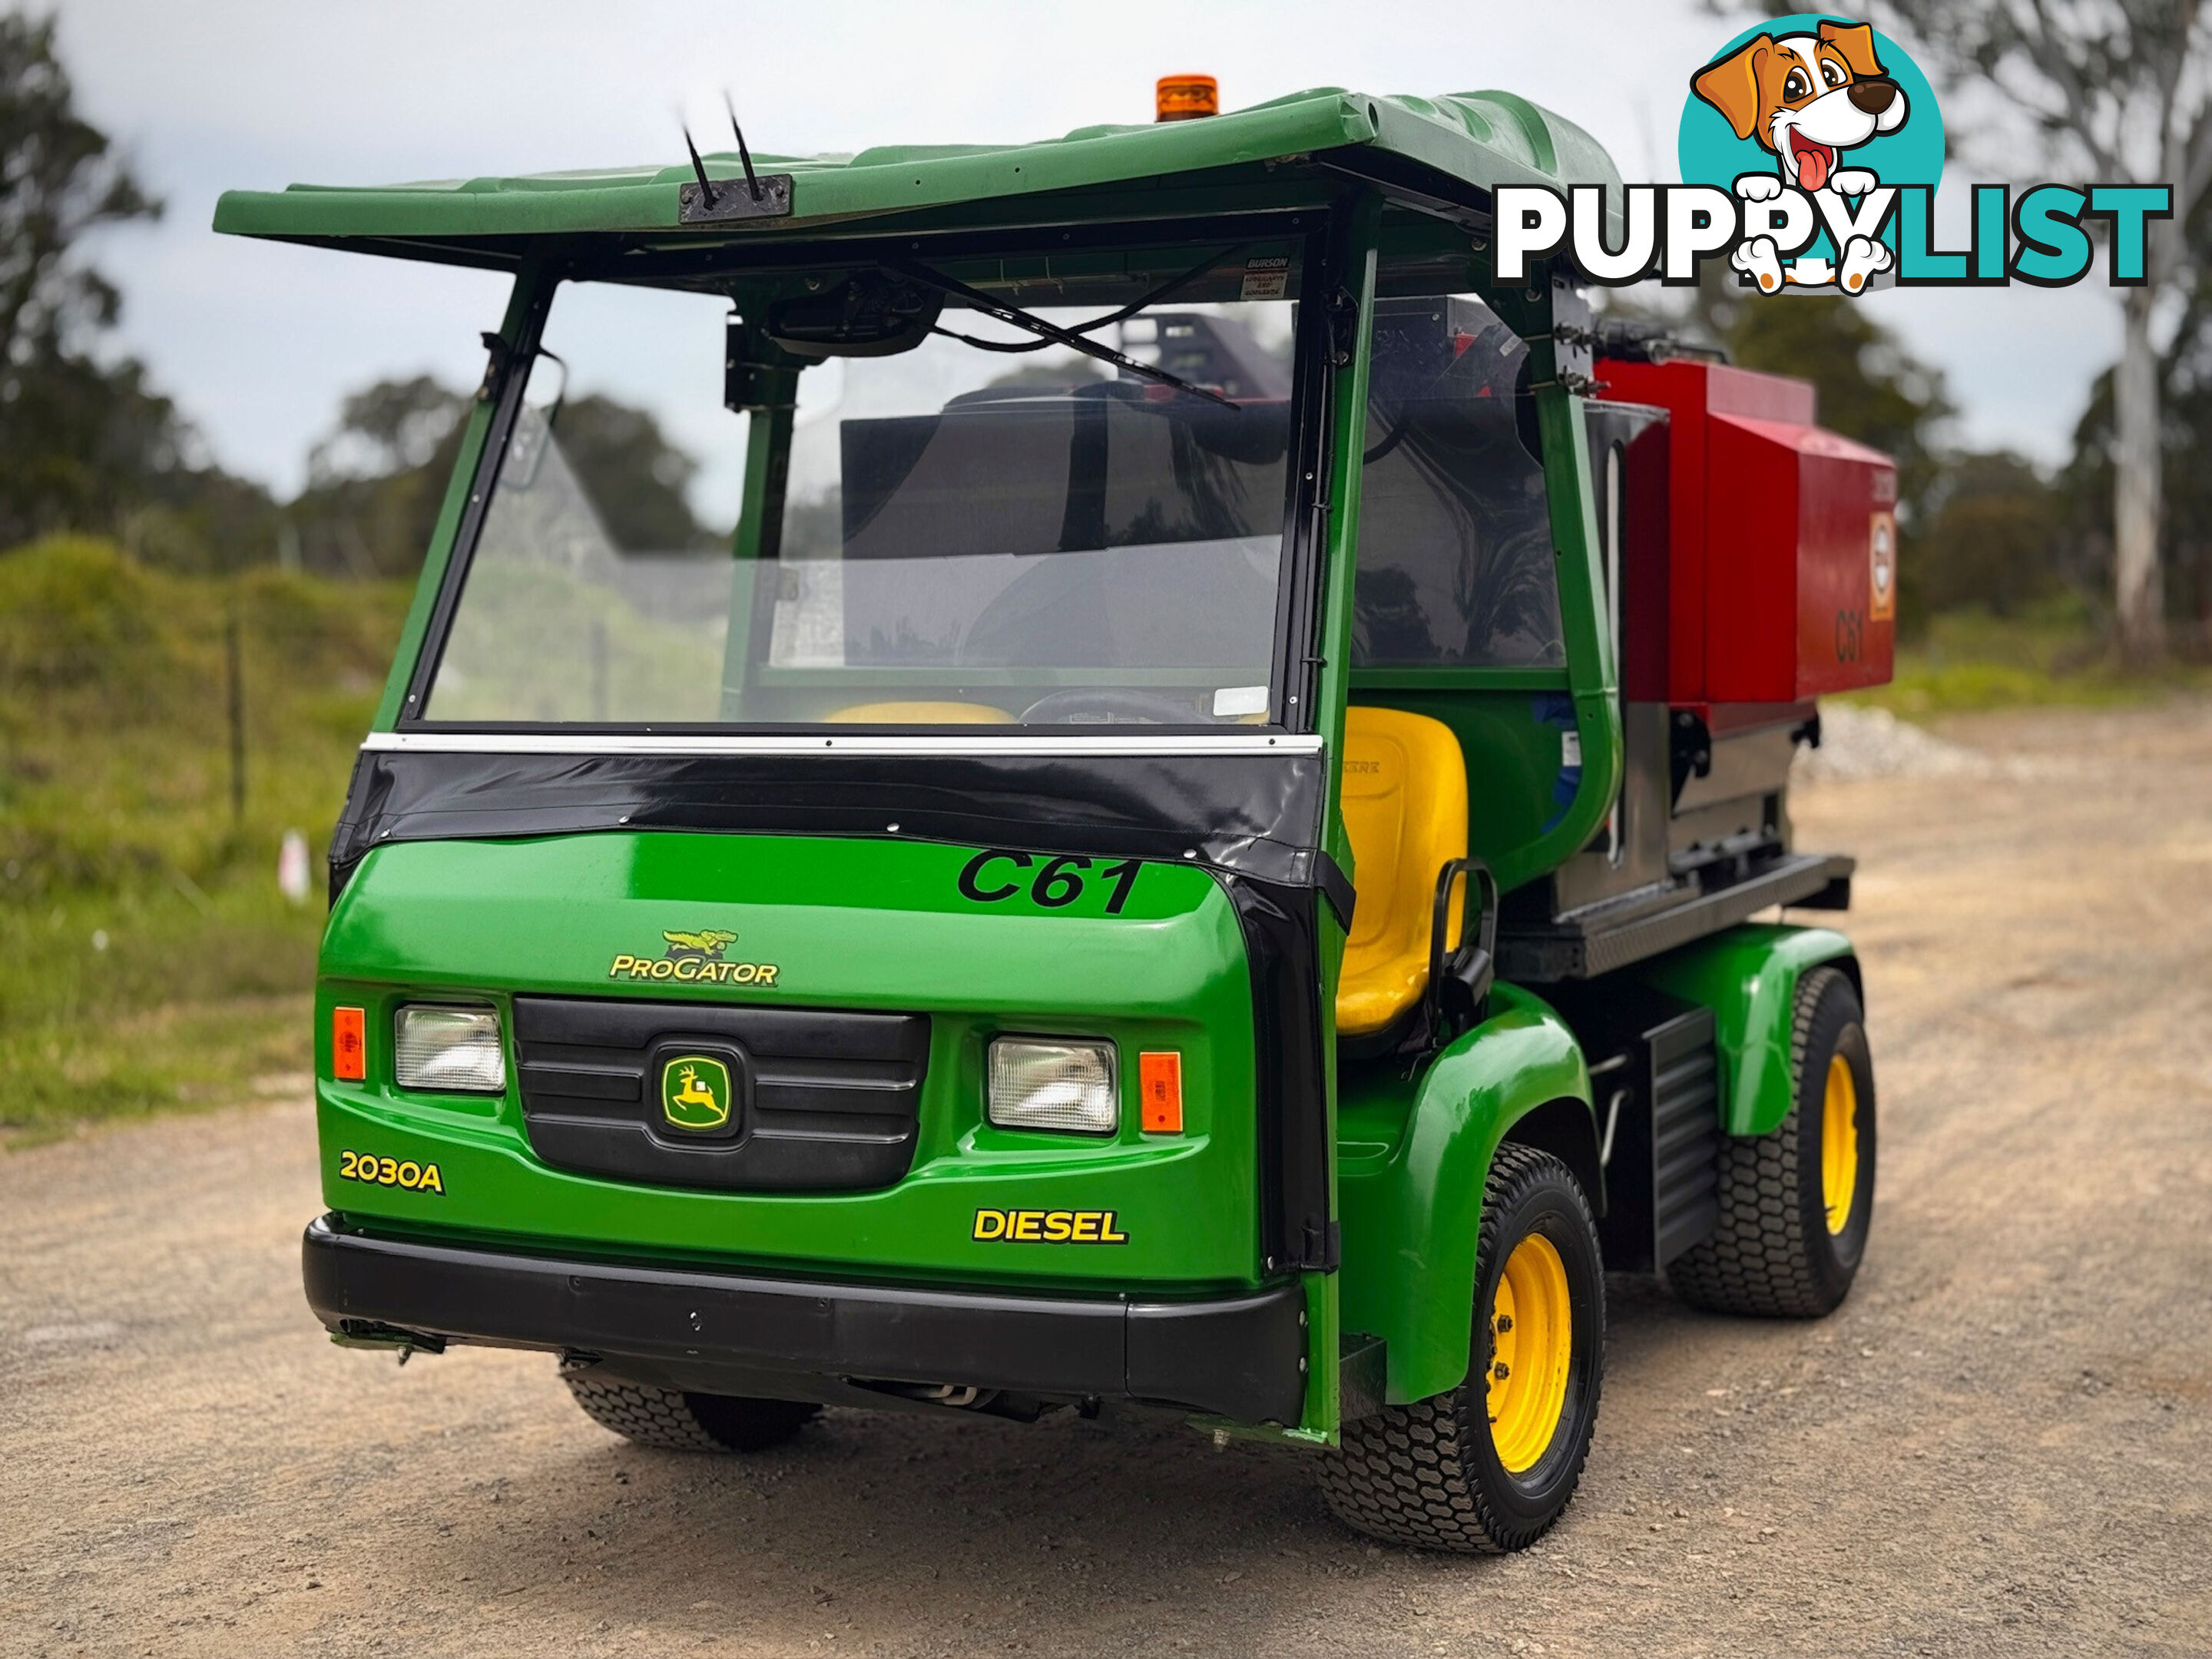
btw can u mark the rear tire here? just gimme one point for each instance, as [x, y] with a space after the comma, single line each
[669, 1420]
[1796, 1205]
[1432, 1474]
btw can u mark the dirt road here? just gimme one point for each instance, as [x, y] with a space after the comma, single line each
[2003, 1445]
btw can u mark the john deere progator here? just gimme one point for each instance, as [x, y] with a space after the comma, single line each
[1188, 833]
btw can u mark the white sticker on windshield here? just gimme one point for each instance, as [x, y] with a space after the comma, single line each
[1570, 749]
[1233, 699]
[1265, 279]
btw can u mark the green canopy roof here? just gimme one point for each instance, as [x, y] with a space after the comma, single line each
[1451, 149]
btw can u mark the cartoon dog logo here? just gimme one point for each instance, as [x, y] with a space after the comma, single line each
[1806, 98]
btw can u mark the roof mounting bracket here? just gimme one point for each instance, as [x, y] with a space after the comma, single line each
[733, 202]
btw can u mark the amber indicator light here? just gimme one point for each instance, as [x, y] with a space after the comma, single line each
[348, 1044]
[1182, 97]
[1159, 1081]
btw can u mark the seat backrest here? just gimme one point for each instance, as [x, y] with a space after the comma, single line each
[921, 714]
[1405, 807]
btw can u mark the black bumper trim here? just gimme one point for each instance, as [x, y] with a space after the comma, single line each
[1237, 1356]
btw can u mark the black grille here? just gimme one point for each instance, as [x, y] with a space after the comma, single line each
[825, 1101]
[1686, 1136]
[1654, 1071]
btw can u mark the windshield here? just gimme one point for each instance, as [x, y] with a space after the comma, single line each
[982, 525]
[1455, 564]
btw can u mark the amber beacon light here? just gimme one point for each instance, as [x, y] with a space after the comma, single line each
[1185, 97]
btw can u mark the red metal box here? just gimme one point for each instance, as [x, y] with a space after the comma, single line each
[1782, 543]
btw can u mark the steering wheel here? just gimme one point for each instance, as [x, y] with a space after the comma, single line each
[1109, 706]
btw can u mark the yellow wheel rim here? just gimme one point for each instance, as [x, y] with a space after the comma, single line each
[1840, 1143]
[1532, 1328]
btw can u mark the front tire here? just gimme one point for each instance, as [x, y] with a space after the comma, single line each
[670, 1420]
[1488, 1467]
[1796, 1205]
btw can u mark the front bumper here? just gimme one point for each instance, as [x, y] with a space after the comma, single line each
[1240, 1356]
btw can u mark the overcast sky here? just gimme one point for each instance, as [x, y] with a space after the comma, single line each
[258, 342]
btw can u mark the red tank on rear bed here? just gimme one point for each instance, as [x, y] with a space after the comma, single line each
[1781, 543]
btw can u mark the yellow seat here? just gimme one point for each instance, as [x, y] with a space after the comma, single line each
[1405, 808]
[921, 714]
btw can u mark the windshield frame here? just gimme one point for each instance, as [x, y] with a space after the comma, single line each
[1290, 714]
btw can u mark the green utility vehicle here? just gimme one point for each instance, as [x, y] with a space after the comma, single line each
[1187, 832]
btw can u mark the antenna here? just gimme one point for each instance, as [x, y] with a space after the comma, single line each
[699, 168]
[745, 156]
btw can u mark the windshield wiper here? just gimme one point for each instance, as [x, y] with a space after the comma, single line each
[1173, 285]
[1014, 317]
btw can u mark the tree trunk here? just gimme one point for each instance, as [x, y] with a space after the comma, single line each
[2138, 585]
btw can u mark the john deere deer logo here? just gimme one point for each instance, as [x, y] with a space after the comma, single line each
[695, 1092]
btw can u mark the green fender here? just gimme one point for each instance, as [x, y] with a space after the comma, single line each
[1748, 977]
[1413, 1158]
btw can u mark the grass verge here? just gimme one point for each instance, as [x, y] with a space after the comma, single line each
[147, 960]
[1968, 661]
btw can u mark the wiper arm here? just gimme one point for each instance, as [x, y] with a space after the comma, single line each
[1173, 285]
[1014, 317]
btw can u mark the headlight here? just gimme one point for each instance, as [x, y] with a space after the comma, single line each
[1053, 1086]
[450, 1051]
